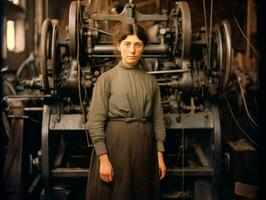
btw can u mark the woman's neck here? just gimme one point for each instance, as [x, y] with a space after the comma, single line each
[127, 66]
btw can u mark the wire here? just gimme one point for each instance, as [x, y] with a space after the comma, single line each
[253, 127]
[210, 35]
[79, 80]
[24, 117]
[239, 126]
[245, 104]
[205, 16]
[183, 157]
[101, 31]
[244, 35]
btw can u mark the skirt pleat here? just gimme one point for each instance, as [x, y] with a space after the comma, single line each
[132, 152]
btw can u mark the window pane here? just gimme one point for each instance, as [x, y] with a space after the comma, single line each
[16, 2]
[10, 35]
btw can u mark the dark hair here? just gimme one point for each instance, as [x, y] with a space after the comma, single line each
[132, 29]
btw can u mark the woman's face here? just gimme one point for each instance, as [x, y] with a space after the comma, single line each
[131, 49]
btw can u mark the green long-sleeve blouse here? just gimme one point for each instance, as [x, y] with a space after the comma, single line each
[127, 95]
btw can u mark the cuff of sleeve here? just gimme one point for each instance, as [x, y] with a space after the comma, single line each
[100, 148]
[160, 146]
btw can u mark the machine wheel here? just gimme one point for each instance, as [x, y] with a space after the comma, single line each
[50, 56]
[217, 49]
[220, 57]
[227, 54]
[180, 23]
[73, 26]
[216, 60]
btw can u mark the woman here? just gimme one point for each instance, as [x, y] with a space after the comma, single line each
[126, 127]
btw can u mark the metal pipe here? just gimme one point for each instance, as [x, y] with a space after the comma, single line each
[33, 109]
[143, 56]
[149, 49]
[168, 71]
[25, 96]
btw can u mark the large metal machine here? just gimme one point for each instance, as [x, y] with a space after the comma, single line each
[49, 146]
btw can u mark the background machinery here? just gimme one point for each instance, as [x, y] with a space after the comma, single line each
[49, 148]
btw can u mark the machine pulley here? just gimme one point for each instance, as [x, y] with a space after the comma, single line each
[220, 56]
[49, 56]
[180, 24]
[74, 28]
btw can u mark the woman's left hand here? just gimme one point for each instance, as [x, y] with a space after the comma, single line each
[162, 167]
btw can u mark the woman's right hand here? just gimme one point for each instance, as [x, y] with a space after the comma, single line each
[106, 170]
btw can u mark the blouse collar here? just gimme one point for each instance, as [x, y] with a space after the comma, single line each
[124, 66]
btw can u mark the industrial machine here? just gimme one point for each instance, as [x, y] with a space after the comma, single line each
[49, 147]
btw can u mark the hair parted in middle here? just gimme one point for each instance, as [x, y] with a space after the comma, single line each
[131, 29]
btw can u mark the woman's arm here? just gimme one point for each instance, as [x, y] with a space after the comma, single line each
[159, 129]
[162, 167]
[98, 112]
[97, 118]
[158, 118]
[106, 170]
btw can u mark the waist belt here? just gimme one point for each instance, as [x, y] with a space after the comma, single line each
[132, 119]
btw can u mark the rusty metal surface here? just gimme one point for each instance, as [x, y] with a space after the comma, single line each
[190, 121]
[67, 122]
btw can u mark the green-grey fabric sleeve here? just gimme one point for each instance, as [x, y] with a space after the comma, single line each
[98, 114]
[158, 118]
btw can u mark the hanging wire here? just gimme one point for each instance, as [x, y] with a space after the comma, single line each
[245, 104]
[206, 25]
[239, 126]
[251, 124]
[79, 80]
[24, 117]
[101, 31]
[183, 157]
[210, 35]
[244, 35]
[205, 16]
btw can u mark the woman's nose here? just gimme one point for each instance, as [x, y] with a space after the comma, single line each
[132, 48]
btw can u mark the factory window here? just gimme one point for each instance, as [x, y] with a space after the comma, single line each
[15, 2]
[15, 35]
[10, 35]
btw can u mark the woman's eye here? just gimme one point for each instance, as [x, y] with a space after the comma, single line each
[126, 44]
[139, 45]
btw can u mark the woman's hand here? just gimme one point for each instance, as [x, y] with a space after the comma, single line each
[106, 169]
[162, 167]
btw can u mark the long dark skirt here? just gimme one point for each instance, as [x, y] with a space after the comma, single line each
[133, 155]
